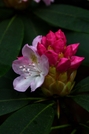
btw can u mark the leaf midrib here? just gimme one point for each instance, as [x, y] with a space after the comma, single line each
[35, 117]
[7, 29]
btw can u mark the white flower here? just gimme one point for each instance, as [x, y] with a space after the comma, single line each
[32, 69]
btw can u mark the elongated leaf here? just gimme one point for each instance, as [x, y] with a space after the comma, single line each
[10, 100]
[11, 37]
[34, 27]
[33, 119]
[83, 39]
[65, 16]
[82, 100]
[82, 86]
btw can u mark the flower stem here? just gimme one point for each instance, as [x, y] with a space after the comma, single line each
[61, 126]
[20, 99]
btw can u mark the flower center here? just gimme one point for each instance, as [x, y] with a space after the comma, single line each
[30, 70]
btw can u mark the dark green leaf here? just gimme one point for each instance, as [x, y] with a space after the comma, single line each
[82, 96]
[83, 39]
[32, 119]
[65, 16]
[82, 86]
[11, 37]
[34, 27]
[82, 100]
[10, 100]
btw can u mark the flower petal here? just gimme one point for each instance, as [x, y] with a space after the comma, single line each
[36, 40]
[41, 49]
[50, 38]
[37, 82]
[21, 84]
[60, 35]
[47, 2]
[58, 46]
[29, 53]
[52, 57]
[71, 50]
[76, 61]
[63, 65]
[18, 64]
[44, 65]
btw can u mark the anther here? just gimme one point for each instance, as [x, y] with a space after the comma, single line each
[20, 67]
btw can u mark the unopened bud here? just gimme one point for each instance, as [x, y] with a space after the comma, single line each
[58, 83]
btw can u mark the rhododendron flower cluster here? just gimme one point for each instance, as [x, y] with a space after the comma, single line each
[47, 2]
[48, 63]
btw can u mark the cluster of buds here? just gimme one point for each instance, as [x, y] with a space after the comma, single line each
[62, 61]
[48, 63]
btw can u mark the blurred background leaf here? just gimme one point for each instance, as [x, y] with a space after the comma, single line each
[81, 93]
[11, 37]
[82, 100]
[10, 100]
[33, 27]
[65, 16]
[82, 86]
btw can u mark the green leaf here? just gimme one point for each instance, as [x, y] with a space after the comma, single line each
[65, 16]
[83, 39]
[33, 27]
[82, 86]
[81, 93]
[10, 100]
[32, 119]
[11, 37]
[82, 100]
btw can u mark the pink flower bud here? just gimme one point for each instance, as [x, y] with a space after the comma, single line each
[60, 35]
[50, 38]
[63, 65]
[53, 45]
[71, 50]
[41, 49]
[58, 48]
[52, 57]
[75, 62]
